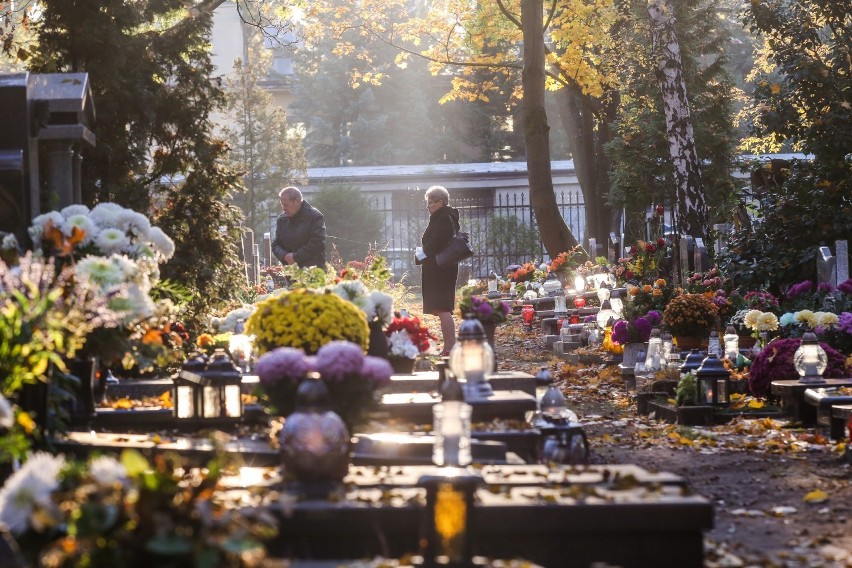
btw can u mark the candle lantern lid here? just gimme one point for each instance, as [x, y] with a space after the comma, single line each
[221, 368]
[543, 378]
[692, 362]
[712, 366]
[312, 394]
[471, 328]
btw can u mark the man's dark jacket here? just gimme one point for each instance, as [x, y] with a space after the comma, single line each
[303, 234]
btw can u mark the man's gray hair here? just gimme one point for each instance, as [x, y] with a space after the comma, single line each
[290, 193]
[438, 192]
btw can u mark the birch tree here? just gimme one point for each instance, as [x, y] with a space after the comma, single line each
[691, 206]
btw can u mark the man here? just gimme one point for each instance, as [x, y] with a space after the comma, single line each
[299, 231]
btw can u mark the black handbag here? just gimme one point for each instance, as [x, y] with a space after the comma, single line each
[456, 251]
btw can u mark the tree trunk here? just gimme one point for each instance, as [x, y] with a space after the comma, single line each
[691, 206]
[555, 234]
[591, 163]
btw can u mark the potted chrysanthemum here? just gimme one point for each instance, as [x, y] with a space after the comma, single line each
[690, 318]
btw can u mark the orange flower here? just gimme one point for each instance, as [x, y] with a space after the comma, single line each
[660, 283]
[646, 288]
[152, 336]
[204, 340]
[633, 290]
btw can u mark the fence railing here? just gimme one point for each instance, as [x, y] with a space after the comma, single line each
[503, 229]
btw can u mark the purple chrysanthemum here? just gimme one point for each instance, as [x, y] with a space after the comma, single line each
[775, 362]
[844, 322]
[799, 289]
[825, 288]
[643, 329]
[620, 333]
[654, 317]
[283, 363]
[485, 310]
[845, 286]
[337, 360]
[376, 370]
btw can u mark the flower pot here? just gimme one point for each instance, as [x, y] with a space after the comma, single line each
[631, 350]
[688, 342]
[402, 365]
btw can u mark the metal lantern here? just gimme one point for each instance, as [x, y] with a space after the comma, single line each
[616, 302]
[471, 357]
[208, 389]
[810, 360]
[692, 362]
[448, 527]
[222, 392]
[186, 387]
[711, 382]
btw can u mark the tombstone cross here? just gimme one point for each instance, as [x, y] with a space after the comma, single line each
[826, 267]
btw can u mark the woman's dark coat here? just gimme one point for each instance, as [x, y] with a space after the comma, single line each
[439, 282]
[303, 234]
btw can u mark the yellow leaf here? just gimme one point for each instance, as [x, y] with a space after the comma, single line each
[123, 403]
[756, 404]
[816, 496]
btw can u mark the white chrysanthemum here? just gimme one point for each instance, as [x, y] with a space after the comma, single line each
[102, 271]
[826, 319]
[10, 242]
[128, 266]
[31, 484]
[111, 240]
[751, 319]
[350, 290]
[74, 210]
[400, 345]
[36, 230]
[806, 317]
[7, 416]
[235, 319]
[141, 305]
[162, 243]
[82, 222]
[106, 470]
[381, 306]
[107, 215]
[135, 223]
[767, 322]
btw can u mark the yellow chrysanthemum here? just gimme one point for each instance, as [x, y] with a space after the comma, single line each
[826, 319]
[307, 320]
[767, 322]
[751, 319]
[806, 317]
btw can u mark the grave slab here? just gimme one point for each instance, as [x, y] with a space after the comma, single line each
[823, 399]
[427, 382]
[417, 407]
[792, 395]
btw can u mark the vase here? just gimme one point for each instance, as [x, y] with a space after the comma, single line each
[82, 409]
[402, 365]
[688, 342]
[378, 346]
[631, 351]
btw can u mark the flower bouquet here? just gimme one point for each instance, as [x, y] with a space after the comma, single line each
[646, 297]
[760, 324]
[775, 362]
[690, 315]
[350, 376]
[407, 338]
[306, 319]
[635, 331]
[127, 512]
[487, 311]
[523, 273]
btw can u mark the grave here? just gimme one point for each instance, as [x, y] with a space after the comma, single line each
[823, 400]
[791, 393]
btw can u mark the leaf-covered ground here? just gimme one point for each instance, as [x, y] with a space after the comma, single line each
[781, 493]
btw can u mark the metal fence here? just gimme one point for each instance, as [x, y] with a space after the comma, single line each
[503, 230]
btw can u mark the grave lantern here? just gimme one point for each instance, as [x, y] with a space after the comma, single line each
[471, 357]
[186, 387]
[528, 313]
[579, 283]
[810, 360]
[605, 314]
[448, 527]
[711, 382]
[222, 391]
[616, 302]
[732, 343]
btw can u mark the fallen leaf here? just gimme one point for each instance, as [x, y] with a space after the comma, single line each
[816, 496]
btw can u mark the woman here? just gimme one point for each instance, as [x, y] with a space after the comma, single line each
[439, 282]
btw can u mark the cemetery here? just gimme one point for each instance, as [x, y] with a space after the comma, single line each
[669, 385]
